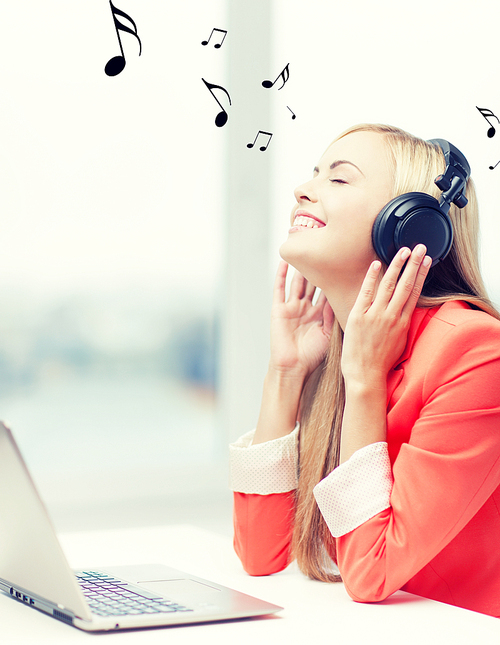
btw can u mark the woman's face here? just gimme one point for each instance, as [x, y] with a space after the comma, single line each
[330, 237]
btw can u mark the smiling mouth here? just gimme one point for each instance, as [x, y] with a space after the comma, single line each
[307, 222]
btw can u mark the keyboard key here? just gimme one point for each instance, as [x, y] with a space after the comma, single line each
[108, 596]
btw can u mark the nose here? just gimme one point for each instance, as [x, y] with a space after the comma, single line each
[305, 192]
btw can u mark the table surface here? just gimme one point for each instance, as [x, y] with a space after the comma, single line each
[312, 610]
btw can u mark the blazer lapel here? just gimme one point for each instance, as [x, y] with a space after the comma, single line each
[420, 316]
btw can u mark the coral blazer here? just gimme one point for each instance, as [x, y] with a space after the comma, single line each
[440, 538]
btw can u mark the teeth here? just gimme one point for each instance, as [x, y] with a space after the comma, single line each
[307, 222]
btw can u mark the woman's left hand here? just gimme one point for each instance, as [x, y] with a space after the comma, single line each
[377, 326]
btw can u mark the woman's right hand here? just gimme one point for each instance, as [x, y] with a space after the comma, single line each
[300, 330]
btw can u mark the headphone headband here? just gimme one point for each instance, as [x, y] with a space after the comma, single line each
[455, 177]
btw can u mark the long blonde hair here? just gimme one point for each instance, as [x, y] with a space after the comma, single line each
[416, 163]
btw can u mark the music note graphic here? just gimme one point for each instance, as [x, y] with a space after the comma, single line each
[293, 115]
[116, 64]
[221, 118]
[284, 75]
[489, 114]
[262, 148]
[493, 167]
[217, 45]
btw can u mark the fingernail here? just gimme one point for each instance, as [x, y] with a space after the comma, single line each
[420, 250]
[405, 254]
[427, 261]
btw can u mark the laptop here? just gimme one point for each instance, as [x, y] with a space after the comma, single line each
[34, 571]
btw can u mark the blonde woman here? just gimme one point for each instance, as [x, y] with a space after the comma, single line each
[376, 456]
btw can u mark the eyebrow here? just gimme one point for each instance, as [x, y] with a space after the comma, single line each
[339, 163]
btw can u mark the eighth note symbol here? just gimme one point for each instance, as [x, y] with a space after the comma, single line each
[488, 113]
[262, 148]
[493, 167]
[284, 75]
[116, 64]
[217, 45]
[221, 118]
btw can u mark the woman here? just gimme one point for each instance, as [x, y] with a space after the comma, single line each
[378, 441]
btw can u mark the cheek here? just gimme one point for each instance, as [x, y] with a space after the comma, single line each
[363, 217]
[355, 226]
[362, 237]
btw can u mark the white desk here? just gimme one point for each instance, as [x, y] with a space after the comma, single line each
[314, 612]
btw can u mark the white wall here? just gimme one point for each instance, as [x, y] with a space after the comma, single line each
[111, 226]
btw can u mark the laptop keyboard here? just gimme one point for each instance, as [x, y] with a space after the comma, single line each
[107, 596]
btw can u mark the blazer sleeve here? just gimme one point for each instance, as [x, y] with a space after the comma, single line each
[263, 526]
[264, 478]
[442, 476]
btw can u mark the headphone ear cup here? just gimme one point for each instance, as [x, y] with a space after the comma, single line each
[411, 219]
[383, 232]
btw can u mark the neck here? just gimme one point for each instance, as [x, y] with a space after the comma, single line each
[342, 299]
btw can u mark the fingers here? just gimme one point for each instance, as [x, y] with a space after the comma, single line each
[389, 282]
[367, 292]
[280, 282]
[328, 318]
[410, 284]
[309, 291]
[422, 270]
[400, 291]
[299, 286]
[320, 302]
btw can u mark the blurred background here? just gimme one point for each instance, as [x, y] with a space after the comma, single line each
[140, 240]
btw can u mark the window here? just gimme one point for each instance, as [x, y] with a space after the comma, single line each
[112, 220]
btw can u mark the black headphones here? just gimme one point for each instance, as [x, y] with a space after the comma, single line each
[415, 218]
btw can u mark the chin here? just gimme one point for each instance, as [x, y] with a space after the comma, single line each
[283, 251]
[300, 262]
[289, 255]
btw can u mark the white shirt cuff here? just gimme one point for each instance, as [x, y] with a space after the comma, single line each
[356, 490]
[264, 468]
